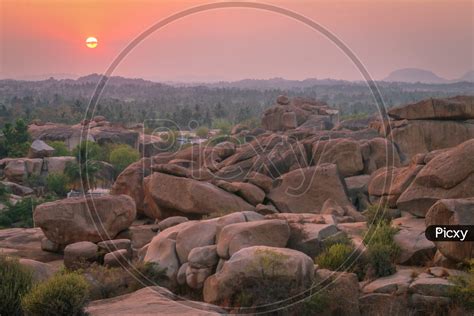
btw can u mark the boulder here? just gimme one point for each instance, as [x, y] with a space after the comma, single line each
[309, 237]
[278, 272]
[17, 189]
[449, 175]
[41, 271]
[85, 219]
[202, 257]
[262, 181]
[15, 170]
[130, 182]
[195, 277]
[431, 286]
[375, 304]
[344, 153]
[455, 108]
[306, 190]
[198, 234]
[233, 237]
[191, 198]
[380, 153]
[387, 184]
[249, 192]
[162, 250]
[108, 246]
[396, 283]
[453, 212]
[117, 258]
[415, 248]
[80, 253]
[40, 149]
[171, 221]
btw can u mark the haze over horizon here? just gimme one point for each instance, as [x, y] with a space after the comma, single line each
[49, 38]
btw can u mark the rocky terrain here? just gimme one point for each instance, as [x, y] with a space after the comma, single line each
[241, 226]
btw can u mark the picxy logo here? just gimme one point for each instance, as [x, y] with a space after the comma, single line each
[450, 233]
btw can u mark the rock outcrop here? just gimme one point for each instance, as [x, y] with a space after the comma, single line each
[423, 127]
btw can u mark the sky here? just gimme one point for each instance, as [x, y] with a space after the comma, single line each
[46, 37]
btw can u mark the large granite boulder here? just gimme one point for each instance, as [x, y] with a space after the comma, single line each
[162, 250]
[130, 182]
[449, 175]
[233, 237]
[277, 272]
[453, 212]
[387, 184]
[85, 219]
[345, 153]
[306, 190]
[191, 198]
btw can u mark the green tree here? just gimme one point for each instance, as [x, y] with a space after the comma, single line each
[16, 139]
[60, 148]
[57, 183]
[122, 156]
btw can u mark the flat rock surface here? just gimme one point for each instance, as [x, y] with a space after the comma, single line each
[149, 301]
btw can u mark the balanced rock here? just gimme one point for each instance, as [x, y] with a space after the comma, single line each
[39, 149]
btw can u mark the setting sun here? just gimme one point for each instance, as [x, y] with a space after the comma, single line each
[91, 42]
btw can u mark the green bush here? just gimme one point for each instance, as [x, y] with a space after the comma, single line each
[381, 249]
[60, 148]
[57, 183]
[381, 258]
[105, 282]
[376, 214]
[462, 293]
[122, 156]
[316, 303]
[18, 215]
[336, 257]
[63, 294]
[202, 132]
[15, 281]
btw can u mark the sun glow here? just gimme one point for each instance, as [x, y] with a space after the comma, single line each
[91, 42]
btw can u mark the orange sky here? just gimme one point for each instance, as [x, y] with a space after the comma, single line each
[47, 37]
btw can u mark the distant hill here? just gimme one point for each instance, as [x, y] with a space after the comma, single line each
[413, 75]
[468, 76]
